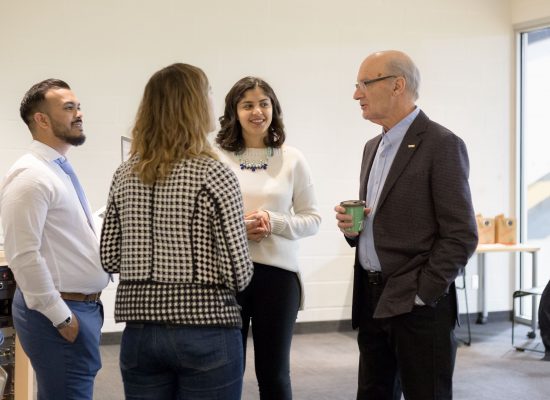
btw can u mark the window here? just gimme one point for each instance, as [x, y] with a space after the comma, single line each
[534, 153]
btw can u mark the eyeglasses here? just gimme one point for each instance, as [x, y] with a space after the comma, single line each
[363, 84]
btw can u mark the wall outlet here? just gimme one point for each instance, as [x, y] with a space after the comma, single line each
[475, 281]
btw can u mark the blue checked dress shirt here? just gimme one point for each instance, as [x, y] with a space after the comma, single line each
[387, 149]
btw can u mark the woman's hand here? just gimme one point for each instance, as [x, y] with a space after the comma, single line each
[258, 226]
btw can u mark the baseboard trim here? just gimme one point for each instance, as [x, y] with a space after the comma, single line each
[496, 316]
[343, 325]
[108, 338]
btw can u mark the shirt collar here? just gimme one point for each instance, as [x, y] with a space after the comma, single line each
[44, 151]
[396, 134]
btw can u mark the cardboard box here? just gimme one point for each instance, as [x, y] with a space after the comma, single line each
[485, 229]
[505, 232]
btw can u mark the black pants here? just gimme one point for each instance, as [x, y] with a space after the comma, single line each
[271, 302]
[414, 352]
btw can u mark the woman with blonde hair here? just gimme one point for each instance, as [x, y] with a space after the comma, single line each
[174, 232]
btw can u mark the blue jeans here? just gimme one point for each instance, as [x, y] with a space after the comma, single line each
[63, 370]
[167, 362]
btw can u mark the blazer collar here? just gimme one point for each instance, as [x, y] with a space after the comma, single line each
[408, 147]
[368, 159]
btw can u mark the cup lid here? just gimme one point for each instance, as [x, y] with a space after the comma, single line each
[353, 203]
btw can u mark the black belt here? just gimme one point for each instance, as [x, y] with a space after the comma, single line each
[373, 277]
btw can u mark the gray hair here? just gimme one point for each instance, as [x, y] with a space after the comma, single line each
[405, 67]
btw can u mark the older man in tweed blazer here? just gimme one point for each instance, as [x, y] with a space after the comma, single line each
[419, 233]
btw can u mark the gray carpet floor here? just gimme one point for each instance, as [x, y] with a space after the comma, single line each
[324, 367]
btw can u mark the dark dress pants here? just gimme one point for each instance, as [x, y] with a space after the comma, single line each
[544, 320]
[413, 352]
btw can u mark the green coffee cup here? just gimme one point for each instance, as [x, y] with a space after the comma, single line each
[355, 208]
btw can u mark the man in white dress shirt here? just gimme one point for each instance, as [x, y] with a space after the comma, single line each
[53, 250]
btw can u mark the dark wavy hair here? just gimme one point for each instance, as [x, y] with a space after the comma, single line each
[230, 136]
[35, 96]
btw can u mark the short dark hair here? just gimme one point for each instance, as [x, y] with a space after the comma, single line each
[36, 95]
[230, 136]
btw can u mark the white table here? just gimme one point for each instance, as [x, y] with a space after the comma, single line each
[481, 251]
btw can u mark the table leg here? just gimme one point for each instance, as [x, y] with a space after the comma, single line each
[481, 293]
[534, 309]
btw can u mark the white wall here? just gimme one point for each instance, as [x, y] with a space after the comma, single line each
[527, 12]
[309, 50]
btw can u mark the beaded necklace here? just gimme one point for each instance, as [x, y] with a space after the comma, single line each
[246, 163]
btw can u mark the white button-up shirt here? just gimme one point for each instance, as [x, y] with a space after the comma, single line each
[48, 242]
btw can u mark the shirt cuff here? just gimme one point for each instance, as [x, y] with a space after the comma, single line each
[418, 301]
[277, 221]
[58, 313]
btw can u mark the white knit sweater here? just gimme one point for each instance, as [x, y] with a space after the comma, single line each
[285, 191]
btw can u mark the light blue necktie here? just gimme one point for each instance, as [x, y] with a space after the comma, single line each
[68, 168]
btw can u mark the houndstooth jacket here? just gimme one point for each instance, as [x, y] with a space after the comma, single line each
[179, 245]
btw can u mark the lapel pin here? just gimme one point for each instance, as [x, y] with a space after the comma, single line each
[411, 146]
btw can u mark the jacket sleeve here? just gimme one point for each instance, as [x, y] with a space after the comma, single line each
[457, 235]
[110, 248]
[231, 239]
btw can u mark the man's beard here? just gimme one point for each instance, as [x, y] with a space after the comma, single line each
[64, 134]
[75, 140]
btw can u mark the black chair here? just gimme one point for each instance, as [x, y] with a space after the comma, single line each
[518, 294]
[463, 287]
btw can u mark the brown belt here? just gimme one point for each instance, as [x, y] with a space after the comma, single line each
[92, 297]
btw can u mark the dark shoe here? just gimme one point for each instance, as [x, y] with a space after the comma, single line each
[546, 356]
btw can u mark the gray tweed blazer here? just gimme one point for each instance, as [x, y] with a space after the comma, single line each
[424, 227]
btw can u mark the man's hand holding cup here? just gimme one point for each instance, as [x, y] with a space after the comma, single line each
[350, 215]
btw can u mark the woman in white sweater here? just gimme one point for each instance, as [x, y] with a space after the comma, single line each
[280, 208]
